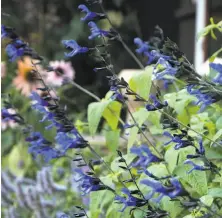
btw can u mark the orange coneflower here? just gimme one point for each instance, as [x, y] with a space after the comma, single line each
[26, 79]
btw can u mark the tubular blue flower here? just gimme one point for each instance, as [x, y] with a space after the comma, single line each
[201, 149]
[40, 146]
[196, 167]
[145, 156]
[88, 183]
[74, 47]
[96, 32]
[66, 142]
[175, 189]
[10, 115]
[205, 99]
[165, 69]
[129, 201]
[142, 46]
[150, 56]
[157, 55]
[156, 104]
[7, 32]
[178, 140]
[38, 103]
[16, 49]
[117, 96]
[6, 115]
[89, 14]
[4, 32]
[218, 68]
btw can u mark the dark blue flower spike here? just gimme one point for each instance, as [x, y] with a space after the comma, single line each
[174, 190]
[74, 48]
[16, 48]
[166, 70]
[96, 32]
[196, 167]
[89, 14]
[145, 157]
[178, 139]
[142, 46]
[218, 68]
[156, 104]
[88, 183]
[129, 201]
[205, 98]
[40, 146]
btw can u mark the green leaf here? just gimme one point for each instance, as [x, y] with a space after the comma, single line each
[217, 136]
[215, 192]
[98, 201]
[158, 170]
[207, 200]
[112, 139]
[141, 82]
[109, 109]
[197, 179]
[19, 160]
[213, 152]
[112, 114]
[95, 112]
[173, 207]
[171, 156]
[140, 116]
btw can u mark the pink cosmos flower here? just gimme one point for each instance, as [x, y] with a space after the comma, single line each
[61, 70]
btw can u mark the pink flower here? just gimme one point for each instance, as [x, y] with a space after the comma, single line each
[61, 70]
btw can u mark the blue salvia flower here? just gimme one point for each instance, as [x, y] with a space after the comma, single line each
[218, 68]
[117, 96]
[201, 148]
[67, 142]
[88, 183]
[180, 143]
[6, 115]
[74, 47]
[40, 105]
[16, 49]
[205, 99]
[142, 46]
[150, 56]
[129, 201]
[89, 14]
[40, 146]
[145, 156]
[196, 167]
[157, 55]
[9, 114]
[166, 69]
[156, 104]
[175, 189]
[96, 32]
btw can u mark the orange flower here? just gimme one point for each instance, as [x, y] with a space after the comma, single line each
[26, 78]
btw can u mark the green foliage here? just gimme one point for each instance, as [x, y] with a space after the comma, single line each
[210, 29]
[108, 109]
[141, 82]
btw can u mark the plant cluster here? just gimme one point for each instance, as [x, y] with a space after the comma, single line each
[170, 162]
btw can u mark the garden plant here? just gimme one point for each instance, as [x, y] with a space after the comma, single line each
[165, 160]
